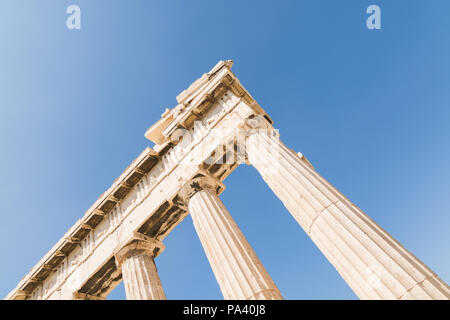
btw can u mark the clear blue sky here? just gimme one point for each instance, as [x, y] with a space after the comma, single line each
[370, 109]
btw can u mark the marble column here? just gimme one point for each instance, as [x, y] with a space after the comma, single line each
[372, 263]
[239, 272]
[139, 273]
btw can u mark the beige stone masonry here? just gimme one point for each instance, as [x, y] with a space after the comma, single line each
[84, 296]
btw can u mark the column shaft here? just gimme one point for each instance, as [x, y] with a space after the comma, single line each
[139, 272]
[141, 279]
[238, 270]
[372, 263]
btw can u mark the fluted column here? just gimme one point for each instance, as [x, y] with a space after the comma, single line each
[372, 263]
[239, 272]
[139, 272]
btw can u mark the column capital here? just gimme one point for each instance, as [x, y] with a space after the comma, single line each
[139, 244]
[201, 181]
